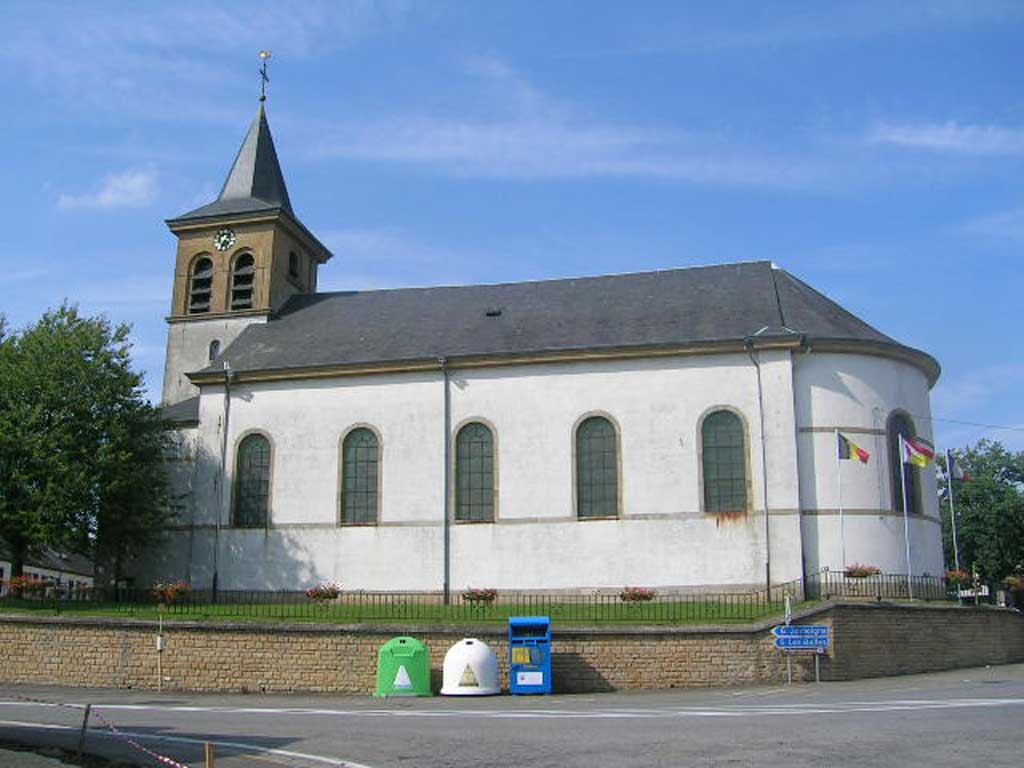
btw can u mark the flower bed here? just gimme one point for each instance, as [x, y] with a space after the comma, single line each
[328, 590]
[637, 594]
[485, 596]
[861, 571]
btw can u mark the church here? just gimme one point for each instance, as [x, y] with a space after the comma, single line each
[674, 429]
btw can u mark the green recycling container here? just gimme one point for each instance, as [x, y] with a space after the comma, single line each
[403, 668]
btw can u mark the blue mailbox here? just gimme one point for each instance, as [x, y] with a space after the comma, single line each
[529, 654]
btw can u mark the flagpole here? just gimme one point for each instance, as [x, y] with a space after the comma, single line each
[906, 516]
[842, 524]
[952, 510]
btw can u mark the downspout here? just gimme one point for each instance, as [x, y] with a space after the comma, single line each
[749, 344]
[447, 480]
[224, 496]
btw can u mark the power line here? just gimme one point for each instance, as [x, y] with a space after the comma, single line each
[973, 423]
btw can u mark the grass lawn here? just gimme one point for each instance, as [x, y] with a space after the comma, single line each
[381, 610]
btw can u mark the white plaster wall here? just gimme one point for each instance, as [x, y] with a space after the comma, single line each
[188, 349]
[857, 393]
[662, 539]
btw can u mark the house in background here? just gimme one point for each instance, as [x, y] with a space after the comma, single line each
[70, 572]
[675, 429]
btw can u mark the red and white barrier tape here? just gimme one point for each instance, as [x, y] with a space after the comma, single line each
[107, 724]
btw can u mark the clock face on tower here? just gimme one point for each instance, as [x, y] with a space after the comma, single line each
[224, 239]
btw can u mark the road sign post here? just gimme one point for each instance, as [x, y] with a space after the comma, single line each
[802, 638]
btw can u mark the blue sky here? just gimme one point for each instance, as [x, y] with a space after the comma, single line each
[873, 149]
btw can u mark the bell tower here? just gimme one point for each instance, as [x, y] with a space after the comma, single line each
[239, 259]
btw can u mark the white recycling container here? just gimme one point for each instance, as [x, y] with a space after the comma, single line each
[470, 669]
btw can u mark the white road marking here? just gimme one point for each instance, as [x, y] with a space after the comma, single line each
[185, 740]
[734, 710]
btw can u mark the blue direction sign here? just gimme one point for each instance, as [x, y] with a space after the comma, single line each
[804, 637]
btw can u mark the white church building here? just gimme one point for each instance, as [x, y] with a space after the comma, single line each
[672, 429]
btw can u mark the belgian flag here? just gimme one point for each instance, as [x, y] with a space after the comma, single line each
[850, 450]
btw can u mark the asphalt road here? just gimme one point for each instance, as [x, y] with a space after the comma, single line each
[968, 717]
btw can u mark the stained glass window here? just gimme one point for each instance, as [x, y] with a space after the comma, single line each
[597, 473]
[360, 474]
[900, 424]
[474, 474]
[252, 482]
[724, 463]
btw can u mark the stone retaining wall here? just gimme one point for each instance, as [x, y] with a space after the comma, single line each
[869, 640]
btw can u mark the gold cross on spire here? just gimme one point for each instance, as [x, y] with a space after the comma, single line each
[263, 75]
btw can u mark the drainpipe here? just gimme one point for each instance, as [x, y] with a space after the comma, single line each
[229, 375]
[443, 362]
[749, 344]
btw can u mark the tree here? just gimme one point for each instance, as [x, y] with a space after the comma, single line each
[989, 510]
[80, 448]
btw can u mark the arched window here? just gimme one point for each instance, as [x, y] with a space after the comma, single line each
[200, 285]
[243, 278]
[474, 473]
[214, 350]
[597, 469]
[724, 462]
[252, 482]
[360, 474]
[900, 424]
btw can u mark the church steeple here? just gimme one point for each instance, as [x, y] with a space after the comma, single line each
[239, 259]
[255, 182]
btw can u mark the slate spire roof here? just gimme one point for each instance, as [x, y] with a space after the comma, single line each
[255, 182]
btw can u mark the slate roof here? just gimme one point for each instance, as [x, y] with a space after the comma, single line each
[255, 183]
[691, 306]
[182, 413]
[52, 559]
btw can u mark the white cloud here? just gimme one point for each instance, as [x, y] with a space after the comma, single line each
[133, 57]
[531, 136]
[26, 275]
[757, 26]
[1005, 225]
[951, 137]
[383, 258]
[128, 189]
[972, 390]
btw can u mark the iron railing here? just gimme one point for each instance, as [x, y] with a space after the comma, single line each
[664, 607]
[880, 586]
[416, 607]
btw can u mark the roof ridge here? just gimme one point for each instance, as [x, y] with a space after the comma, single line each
[542, 280]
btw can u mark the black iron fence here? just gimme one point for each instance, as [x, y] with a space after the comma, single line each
[631, 605]
[828, 585]
[880, 586]
[649, 606]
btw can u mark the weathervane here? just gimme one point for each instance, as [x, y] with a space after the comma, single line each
[263, 75]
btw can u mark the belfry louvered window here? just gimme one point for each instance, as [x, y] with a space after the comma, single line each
[900, 472]
[597, 469]
[200, 286]
[243, 279]
[360, 476]
[474, 474]
[724, 458]
[252, 482]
